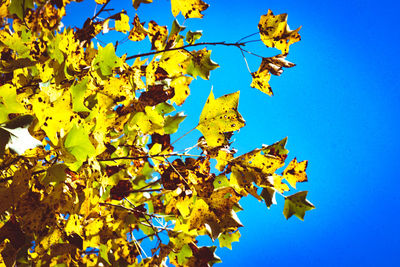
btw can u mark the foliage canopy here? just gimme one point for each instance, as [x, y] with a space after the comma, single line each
[88, 171]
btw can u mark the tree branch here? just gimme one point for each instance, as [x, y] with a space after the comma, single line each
[186, 46]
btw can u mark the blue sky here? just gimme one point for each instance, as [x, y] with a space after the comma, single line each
[339, 108]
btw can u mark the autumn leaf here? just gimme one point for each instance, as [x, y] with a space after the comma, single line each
[192, 37]
[297, 204]
[158, 35]
[106, 60]
[200, 64]
[188, 8]
[122, 24]
[296, 172]
[138, 32]
[219, 116]
[226, 239]
[275, 32]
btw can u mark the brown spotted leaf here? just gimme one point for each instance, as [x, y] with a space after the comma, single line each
[188, 8]
[220, 116]
[275, 31]
[295, 172]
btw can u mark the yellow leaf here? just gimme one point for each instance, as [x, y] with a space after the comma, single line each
[261, 82]
[295, 172]
[223, 157]
[158, 35]
[218, 117]
[275, 32]
[8, 102]
[278, 185]
[100, 2]
[54, 116]
[269, 65]
[181, 89]
[74, 225]
[138, 32]
[188, 8]
[122, 24]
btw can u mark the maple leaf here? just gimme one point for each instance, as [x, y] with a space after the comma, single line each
[296, 172]
[14, 135]
[218, 117]
[297, 204]
[188, 8]
[275, 32]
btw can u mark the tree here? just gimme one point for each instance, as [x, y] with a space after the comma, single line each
[88, 170]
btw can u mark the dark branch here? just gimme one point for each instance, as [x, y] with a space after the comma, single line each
[186, 46]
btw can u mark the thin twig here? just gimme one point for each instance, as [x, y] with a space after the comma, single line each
[101, 10]
[247, 36]
[183, 136]
[185, 46]
[245, 60]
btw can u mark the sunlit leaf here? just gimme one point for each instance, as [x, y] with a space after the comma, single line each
[226, 239]
[138, 32]
[296, 172]
[188, 8]
[275, 31]
[106, 60]
[122, 24]
[219, 116]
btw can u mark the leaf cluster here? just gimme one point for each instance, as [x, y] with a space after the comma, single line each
[88, 172]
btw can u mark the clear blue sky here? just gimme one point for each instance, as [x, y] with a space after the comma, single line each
[339, 108]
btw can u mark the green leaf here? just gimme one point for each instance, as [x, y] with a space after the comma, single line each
[103, 252]
[78, 144]
[55, 173]
[184, 254]
[192, 37]
[171, 124]
[226, 239]
[164, 108]
[106, 60]
[200, 64]
[297, 204]
[218, 117]
[78, 96]
[18, 7]
[220, 181]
